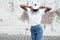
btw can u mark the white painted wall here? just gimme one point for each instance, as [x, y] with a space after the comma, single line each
[11, 23]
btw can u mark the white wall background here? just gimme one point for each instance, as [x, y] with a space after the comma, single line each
[10, 13]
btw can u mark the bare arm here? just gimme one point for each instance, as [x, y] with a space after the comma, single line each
[46, 8]
[24, 7]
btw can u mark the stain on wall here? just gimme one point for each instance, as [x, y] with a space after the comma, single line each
[24, 16]
[58, 13]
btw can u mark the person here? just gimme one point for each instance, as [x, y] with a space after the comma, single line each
[35, 14]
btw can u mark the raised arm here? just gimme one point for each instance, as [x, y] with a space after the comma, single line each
[24, 7]
[47, 9]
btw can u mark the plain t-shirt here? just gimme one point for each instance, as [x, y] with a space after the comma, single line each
[35, 17]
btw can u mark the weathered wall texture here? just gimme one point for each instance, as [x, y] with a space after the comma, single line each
[12, 17]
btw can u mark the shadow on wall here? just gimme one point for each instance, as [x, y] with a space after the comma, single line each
[47, 18]
[58, 13]
[24, 16]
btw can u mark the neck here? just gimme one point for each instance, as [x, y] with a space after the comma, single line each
[35, 10]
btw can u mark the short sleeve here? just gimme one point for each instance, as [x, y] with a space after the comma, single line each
[28, 11]
[43, 11]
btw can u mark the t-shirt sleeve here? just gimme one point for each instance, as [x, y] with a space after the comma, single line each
[28, 11]
[43, 11]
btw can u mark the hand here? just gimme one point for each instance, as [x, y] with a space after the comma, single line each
[30, 7]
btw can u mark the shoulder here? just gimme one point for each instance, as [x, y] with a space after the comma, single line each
[28, 10]
[42, 10]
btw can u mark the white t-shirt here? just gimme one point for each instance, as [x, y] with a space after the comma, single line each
[35, 17]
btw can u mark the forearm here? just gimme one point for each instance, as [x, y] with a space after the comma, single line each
[41, 7]
[24, 7]
[47, 9]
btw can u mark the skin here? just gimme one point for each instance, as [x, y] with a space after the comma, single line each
[23, 6]
[47, 9]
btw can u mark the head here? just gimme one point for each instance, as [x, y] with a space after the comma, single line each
[34, 3]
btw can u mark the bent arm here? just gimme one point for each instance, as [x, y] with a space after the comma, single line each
[47, 9]
[24, 7]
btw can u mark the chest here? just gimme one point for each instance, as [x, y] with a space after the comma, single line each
[36, 14]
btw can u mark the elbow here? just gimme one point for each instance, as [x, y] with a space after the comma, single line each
[23, 7]
[48, 9]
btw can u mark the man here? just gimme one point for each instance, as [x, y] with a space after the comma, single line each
[35, 13]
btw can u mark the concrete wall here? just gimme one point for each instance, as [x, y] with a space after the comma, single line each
[10, 14]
